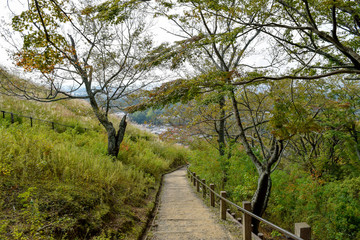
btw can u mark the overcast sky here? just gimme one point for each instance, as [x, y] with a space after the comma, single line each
[5, 16]
[8, 7]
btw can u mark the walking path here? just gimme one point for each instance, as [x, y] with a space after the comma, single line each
[182, 215]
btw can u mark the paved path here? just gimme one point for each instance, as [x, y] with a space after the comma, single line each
[182, 215]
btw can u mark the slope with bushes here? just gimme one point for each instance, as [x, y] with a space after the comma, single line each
[331, 208]
[61, 185]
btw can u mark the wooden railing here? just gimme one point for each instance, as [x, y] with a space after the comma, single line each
[302, 230]
[32, 119]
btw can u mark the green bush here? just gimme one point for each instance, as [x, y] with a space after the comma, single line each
[64, 186]
[332, 208]
[61, 184]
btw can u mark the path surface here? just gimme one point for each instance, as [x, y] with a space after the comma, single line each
[182, 215]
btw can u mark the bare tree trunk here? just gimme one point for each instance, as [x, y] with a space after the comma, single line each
[261, 198]
[115, 138]
[221, 130]
[221, 142]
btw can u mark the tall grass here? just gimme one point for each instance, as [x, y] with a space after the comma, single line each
[68, 112]
[62, 185]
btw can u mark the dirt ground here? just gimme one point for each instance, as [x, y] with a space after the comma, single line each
[183, 215]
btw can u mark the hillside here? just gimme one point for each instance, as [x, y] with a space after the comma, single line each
[61, 184]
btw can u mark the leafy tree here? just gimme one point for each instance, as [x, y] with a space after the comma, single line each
[224, 44]
[80, 45]
[319, 38]
[322, 119]
[302, 37]
[209, 118]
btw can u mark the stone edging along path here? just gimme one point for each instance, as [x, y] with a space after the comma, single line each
[182, 215]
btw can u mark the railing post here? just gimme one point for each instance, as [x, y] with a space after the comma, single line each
[12, 117]
[31, 122]
[203, 188]
[212, 195]
[303, 230]
[53, 125]
[3, 113]
[261, 236]
[223, 206]
[194, 180]
[246, 221]
[198, 183]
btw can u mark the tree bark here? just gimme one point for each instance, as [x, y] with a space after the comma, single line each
[116, 138]
[261, 198]
[221, 142]
[221, 129]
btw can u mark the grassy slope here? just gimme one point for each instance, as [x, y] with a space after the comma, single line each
[61, 185]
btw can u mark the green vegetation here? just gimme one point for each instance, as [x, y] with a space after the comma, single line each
[72, 59]
[272, 86]
[281, 78]
[317, 178]
[147, 116]
[61, 184]
[332, 208]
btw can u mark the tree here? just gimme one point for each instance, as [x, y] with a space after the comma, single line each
[77, 45]
[225, 44]
[209, 118]
[323, 120]
[320, 38]
[301, 37]
[299, 29]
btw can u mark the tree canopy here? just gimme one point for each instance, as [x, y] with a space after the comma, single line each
[304, 41]
[84, 46]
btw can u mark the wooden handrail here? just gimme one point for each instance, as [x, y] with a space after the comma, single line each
[32, 118]
[302, 229]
